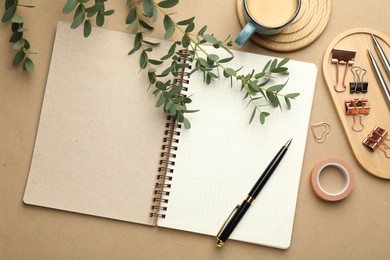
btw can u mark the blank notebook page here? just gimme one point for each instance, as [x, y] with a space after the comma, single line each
[221, 157]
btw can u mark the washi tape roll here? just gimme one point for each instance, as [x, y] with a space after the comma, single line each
[349, 178]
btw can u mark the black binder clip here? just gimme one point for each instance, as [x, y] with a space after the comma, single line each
[358, 85]
[342, 57]
[357, 107]
[377, 140]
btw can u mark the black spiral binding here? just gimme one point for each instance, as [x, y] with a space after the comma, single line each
[170, 141]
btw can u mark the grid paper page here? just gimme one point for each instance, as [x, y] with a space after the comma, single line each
[221, 157]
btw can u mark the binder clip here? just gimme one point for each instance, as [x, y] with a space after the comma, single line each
[321, 137]
[377, 140]
[357, 107]
[342, 57]
[358, 85]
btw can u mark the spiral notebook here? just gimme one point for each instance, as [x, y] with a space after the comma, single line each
[103, 148]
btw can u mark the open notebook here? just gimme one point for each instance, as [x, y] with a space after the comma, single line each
[100, 136]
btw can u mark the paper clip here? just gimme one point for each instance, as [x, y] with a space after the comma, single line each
[358, 85]
[377, 140]
[325, 131]
[343, 57]
[357, 107]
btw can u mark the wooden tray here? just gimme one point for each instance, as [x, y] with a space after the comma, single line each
[359, 40]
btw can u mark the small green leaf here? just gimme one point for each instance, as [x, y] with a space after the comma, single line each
[169, 27]
[279, 70]
[273, 64]
[155, 62]
[17, 19]
[79, 18]
[185, 41]
[9, 13]
[186, 22]
[18, 57]
[168, 3]
[288, 103]
[160, 101]
[266, 66]
[283, 62]
[230, 72]
[202, 31]
[87, 28]
[131, 16]
[151, 43]
[187, 124]
[143, 60]
[263, 115]
[69, 6]
[99, 19]
[148, 8]
[22, 29]
[213, 57]
[109, 12]
[28, 65]
[190, 27]
[253, 115]
[16, 36]
[276, 88]
[146, 25]
[225, 60]
[19, 44]
[292, 95]
[210, 38]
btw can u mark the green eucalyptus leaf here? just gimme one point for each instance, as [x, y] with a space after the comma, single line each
[18, 57]
[69, 6]
[276, 88]
[273, 64]
[230, 72]
[87, 28]
[160, 101]
[266, 66]
[210, 38]
[77, 20]
[16, 36]
[17, 19]
[292, 95]
[288, 103]
[186, 22]
[155, 62]
[143, 60]
[283, 62]
[99, 19]
[190, 27]
[19, 44]
[146, 25]
[9, 13]
[279, 70]
[151, 43]
[168, 3]
[263, 115]
[28, 65]
[225, 60]
[202, 31]
[213, 57]
[185, 41]
[169, 27]
[148, 8]
[22, 29]
[187, 124]
[131, 17]
[253, 115]
[109, 12]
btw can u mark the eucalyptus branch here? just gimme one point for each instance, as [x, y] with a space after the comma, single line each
[254, 84]
[21, 44]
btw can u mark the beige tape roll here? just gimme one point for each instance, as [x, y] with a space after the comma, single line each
[348, 176]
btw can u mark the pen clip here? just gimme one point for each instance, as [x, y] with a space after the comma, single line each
[226, 221]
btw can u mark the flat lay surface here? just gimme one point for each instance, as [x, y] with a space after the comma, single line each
[357, 227]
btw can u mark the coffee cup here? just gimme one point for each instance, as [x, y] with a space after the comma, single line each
[267, 17]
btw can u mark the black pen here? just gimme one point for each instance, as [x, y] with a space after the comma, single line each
[239, 211]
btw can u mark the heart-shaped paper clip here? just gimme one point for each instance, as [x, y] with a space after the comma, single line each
[322, 135]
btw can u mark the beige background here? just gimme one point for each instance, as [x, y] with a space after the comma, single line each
[356, 228]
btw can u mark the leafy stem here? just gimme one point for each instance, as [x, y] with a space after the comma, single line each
[20, 43]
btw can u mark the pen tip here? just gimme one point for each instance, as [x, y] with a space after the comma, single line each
[288, 143]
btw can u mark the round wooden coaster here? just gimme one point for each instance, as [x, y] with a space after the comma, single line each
[306, 28]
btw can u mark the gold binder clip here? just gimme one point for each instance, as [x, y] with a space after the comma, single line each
[357, 107]
[343, 57]
[321, 137]
[358, 85]
[377, 140]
